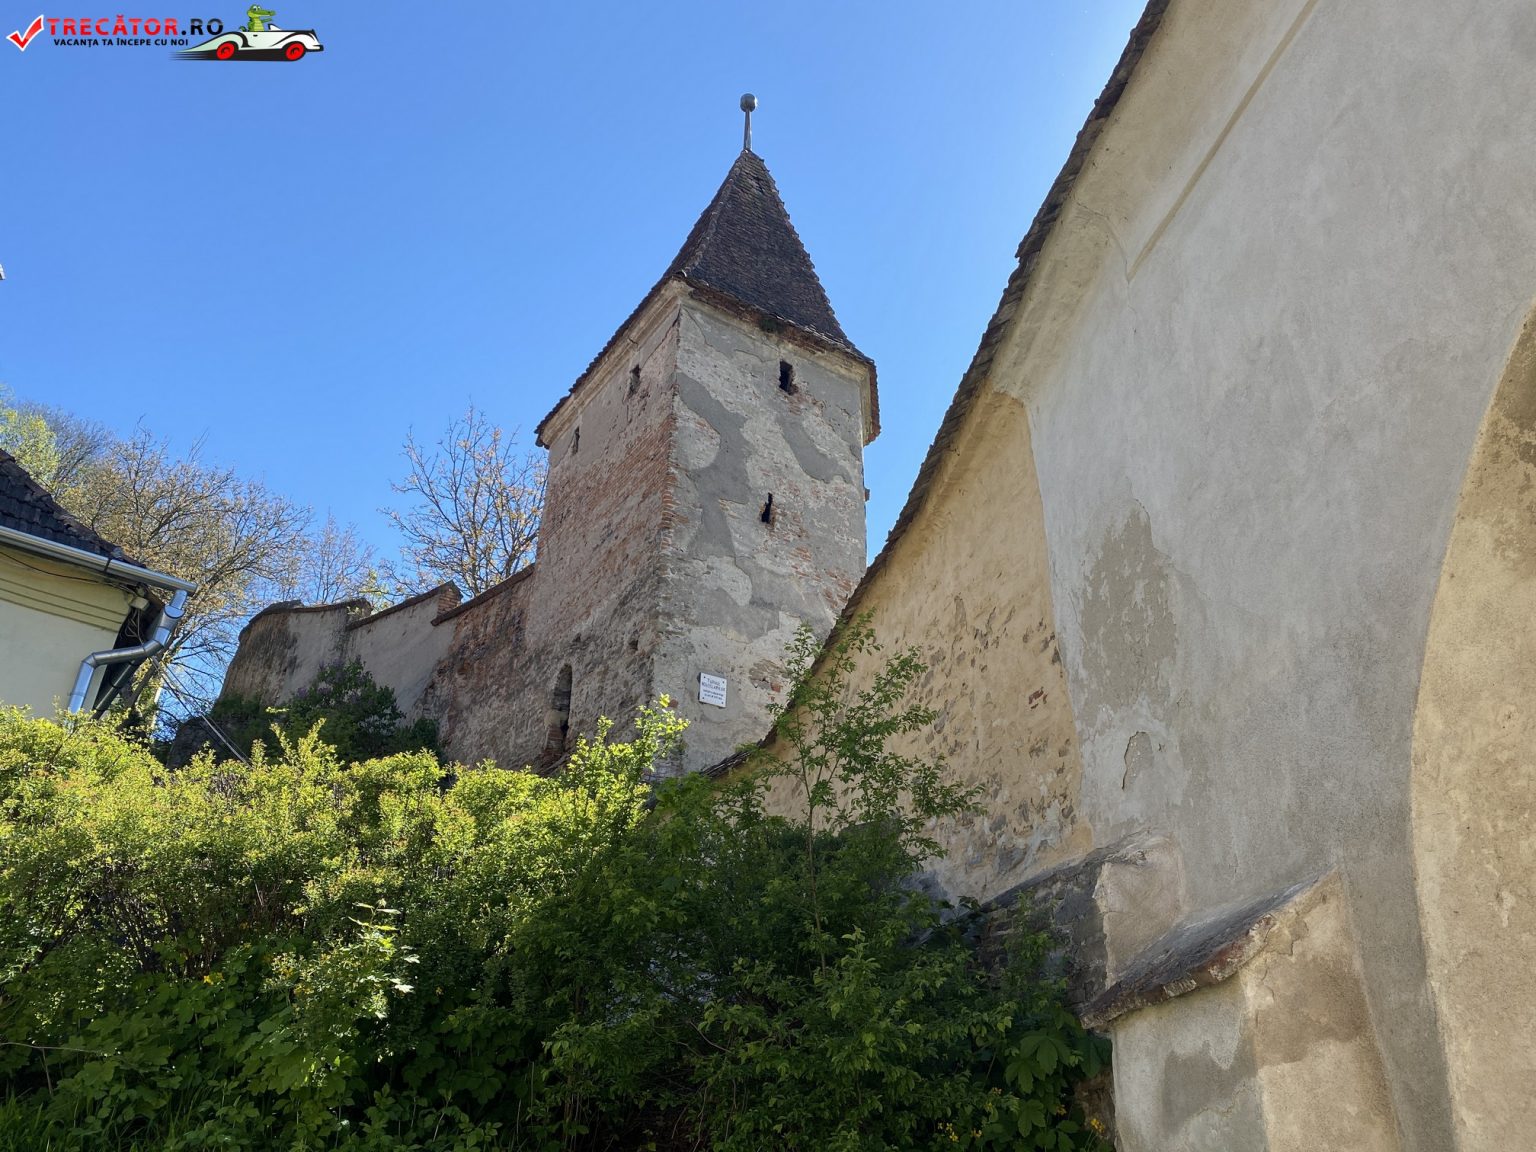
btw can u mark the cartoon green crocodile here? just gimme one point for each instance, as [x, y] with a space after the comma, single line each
[257, 17]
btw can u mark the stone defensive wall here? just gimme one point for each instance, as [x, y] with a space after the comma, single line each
[426, 649]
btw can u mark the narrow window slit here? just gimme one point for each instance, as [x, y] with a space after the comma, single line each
[634, 379]
[576, 442]
[767, 516]
[558, 719]
[787, 383]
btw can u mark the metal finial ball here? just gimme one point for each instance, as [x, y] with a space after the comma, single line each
[749, 103]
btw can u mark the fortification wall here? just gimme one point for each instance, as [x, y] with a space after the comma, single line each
[1254, 350]
[401, 647]
[483, 637]
[1251, 429]
[284, 647]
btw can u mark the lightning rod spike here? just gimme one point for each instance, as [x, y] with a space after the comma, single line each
[748, 103]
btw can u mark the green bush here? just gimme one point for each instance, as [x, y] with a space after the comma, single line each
[306, 953]
[361, 718]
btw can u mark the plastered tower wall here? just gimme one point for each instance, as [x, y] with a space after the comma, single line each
[742, 574]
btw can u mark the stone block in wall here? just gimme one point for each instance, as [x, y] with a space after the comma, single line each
[1249, 1029]
[1101, 908]
[1245, 1028]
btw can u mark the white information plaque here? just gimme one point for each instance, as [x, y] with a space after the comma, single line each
[711, 689]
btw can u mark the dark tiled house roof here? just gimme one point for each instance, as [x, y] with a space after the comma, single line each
[745, 250]
[26, 506]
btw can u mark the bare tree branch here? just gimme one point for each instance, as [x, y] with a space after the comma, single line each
[336, 565]
[477, 503]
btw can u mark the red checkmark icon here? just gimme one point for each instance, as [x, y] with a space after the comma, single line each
[22, 39]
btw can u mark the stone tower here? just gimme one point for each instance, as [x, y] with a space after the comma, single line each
[705, 498]
[706, 484]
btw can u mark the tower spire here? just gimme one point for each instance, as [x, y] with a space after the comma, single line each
[748, 103]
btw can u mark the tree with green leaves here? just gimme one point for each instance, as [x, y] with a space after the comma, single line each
[28, 438]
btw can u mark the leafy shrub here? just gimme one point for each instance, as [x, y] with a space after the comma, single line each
[302, 952]
[361, 717]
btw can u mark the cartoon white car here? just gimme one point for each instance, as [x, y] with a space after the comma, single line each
[272, 43]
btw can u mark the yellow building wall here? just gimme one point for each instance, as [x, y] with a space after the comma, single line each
[51, 616]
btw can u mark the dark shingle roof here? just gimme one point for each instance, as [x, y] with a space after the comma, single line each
[745, 249]
[26, 506]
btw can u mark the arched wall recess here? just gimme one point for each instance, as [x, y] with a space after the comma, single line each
[1474, 775]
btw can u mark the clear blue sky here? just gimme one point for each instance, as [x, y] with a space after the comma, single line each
[299, 262]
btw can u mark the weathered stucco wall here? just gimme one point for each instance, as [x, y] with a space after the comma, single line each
[734, 587]
[1253, 386]
[968, 588]
[1254, 353]
[284, 647]
[1212, 1099]
[401, 648]
[1278, 1054]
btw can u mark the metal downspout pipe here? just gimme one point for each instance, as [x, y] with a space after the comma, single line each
[169, 618]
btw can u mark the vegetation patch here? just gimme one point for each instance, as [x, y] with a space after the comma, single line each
[311, 952]
[358, 718]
